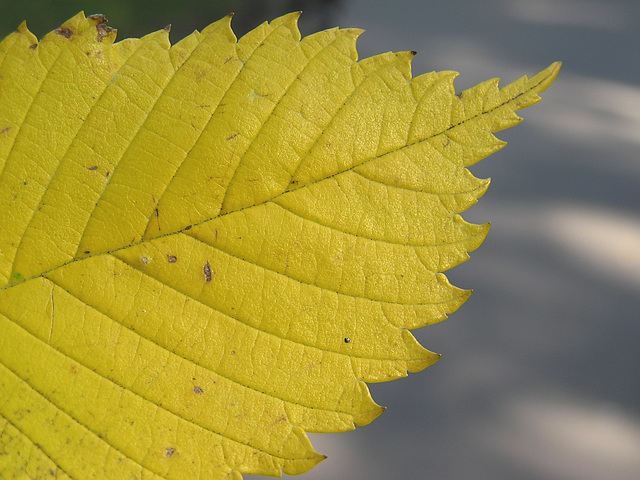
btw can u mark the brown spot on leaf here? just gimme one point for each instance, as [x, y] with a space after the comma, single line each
[98, 18]
[188, 227]
[172, 258]
[207, 272]
[169, 451]
[94, 167]
[73, 368]
[233, 136]
[87, 252]
[64, 31]
[197, 390]
[145, 260]
[33, 47]
[5, 130]
[103, 31]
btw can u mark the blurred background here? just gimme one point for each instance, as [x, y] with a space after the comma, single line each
[540, 377]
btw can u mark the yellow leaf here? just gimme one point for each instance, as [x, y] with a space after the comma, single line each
[207, 249]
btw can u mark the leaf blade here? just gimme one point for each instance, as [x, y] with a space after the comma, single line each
[272, 279]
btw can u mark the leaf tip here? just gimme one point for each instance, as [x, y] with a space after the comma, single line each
[555, 68]
[546, 77]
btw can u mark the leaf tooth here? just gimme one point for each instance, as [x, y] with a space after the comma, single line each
[23, 31]
[289, 21]
[301, 465]
[222, 26]
[408, 356]
[255, 38]
[419, 357]
[424, 82]
[367, 409]
[159, 37]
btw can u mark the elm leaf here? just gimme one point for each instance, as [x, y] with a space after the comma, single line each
[208, 249]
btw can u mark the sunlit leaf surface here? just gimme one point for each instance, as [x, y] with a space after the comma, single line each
[208, 249]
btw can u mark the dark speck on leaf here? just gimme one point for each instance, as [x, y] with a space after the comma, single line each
[95, 167]
[197, 390]
[207, 272]
[172, 258]
[169, 451]
[347, 340]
